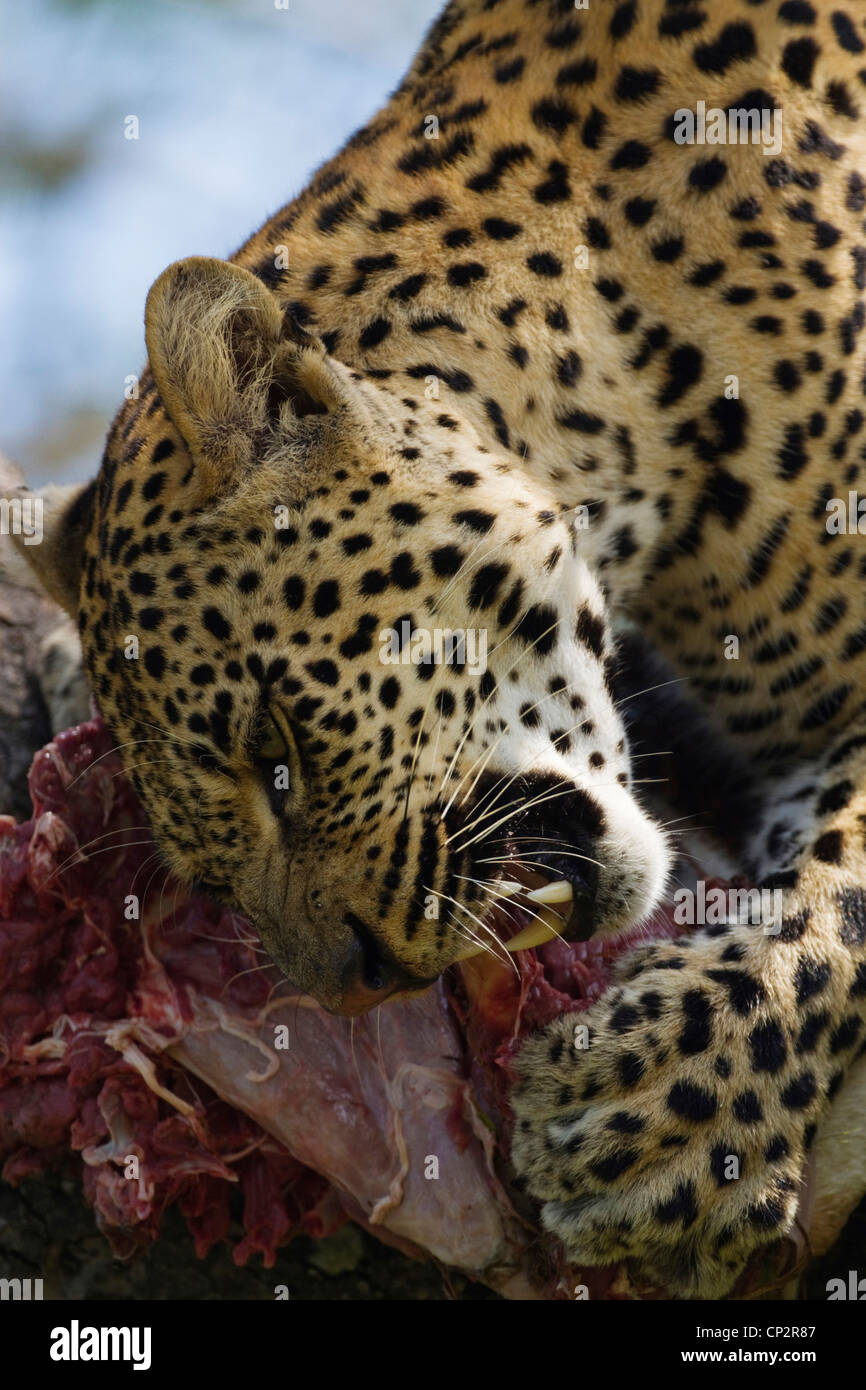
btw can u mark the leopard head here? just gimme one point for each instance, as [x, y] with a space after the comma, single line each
[357, 668]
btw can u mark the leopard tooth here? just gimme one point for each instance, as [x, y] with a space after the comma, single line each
[547, 926]
[507, 888]
[558, 892]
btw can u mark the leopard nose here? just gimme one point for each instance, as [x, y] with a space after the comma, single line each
[370, 973]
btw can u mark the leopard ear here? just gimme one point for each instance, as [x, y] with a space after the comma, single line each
[50, 529]
[225, 359]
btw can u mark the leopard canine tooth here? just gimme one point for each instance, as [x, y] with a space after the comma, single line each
[507, 888]
[558, 892]
[547, 926]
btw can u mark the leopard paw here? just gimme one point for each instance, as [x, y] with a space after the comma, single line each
[675, 1139]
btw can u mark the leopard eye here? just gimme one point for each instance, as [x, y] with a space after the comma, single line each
[272, 743]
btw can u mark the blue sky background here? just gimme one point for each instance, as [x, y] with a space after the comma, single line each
[237, 102]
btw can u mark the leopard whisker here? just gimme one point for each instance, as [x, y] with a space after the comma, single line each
[447, 897]
[83, 849]
[539, 800]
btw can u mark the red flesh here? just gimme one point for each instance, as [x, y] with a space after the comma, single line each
[154, 1040]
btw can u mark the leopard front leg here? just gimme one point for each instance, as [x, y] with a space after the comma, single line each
[677, 1139]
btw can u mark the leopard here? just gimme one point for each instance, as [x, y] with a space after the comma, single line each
[537, 357]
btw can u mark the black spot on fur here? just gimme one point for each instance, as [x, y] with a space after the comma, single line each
[734, 44]
[747, 1108]
[744, 991]
[217, 624]
[811, 978]
[798, 1093]
[697, 1031]
[610, 1168]
[631, 1068]
[681, 1208]
[767, 1042]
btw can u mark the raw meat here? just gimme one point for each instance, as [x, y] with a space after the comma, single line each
[138, 1021]
[145, 1037]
